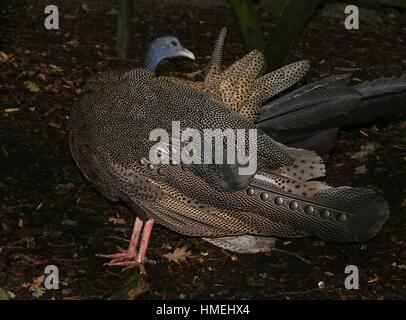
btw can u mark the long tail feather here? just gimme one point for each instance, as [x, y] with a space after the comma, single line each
[313, 107]
[214, 65]
[342, 214]
[330, 103]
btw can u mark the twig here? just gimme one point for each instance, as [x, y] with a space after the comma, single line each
[292, 254]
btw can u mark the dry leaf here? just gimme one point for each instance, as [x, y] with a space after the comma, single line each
[366, 150]
[64, 188]
[9, 110]
[116, 220]
[374, 279]
[38, 281]
[141, 287]
[403, 203]
[179, 254]
[36, 286]
[3, 294]
[69, 16]
[3, 56]
[69, 222]
[402, 266]
[55, 68]
[38, 291]
[361, 170]
[348, 69]
[54, 86]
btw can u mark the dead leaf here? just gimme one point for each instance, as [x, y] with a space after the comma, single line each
[374, 279]
[403, 203]
[366, 150]
[117, 220]
[3, 56]
[179, 254]
[3, 294]
[348, 69]
[361, 170]
[141, 287]
[9, 110]
[69, 16]
[36, 286]
[319, 243]
[55, 68]
[55, 86]
[69, 222]
[64, 188]
[401, 266]
[39, 280]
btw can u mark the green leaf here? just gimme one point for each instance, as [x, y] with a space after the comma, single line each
[32, 86]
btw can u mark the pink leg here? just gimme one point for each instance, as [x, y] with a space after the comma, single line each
[146, 235]
[131, 251]
[129, 258]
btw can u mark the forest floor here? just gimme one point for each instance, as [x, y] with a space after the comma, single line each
[50, 215]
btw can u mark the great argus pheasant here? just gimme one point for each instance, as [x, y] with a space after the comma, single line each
[110, 142]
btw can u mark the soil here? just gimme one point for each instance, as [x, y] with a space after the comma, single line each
[50, 215]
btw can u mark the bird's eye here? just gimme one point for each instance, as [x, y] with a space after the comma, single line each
[174, 43]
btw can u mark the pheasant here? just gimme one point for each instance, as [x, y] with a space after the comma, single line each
[109, 137]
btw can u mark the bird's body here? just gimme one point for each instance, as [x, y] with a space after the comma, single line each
[109, 139]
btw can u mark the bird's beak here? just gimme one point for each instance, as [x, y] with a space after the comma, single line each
[187, 54]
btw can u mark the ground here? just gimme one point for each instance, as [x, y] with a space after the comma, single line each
[50, 215]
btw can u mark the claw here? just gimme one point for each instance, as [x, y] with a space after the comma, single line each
[129, 258]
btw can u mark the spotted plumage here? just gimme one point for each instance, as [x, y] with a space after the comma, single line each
[109, 140]
[242, 85]
[307, 117]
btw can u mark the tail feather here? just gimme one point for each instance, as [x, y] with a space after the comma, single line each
[213, 68]
[330, 103]
[342, 214]
[321, 141]
[283, 101]
[380, 98]
[379, 87]
[314, 107]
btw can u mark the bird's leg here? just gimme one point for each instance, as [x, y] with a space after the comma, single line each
[146, 235]
[130, 258]
[131, 251]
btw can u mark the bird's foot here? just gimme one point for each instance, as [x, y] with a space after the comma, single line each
[130, 258]
[122, 256]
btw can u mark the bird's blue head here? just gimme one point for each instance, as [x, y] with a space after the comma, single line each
[165, 47]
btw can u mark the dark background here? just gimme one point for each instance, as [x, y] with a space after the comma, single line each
[49, 214]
